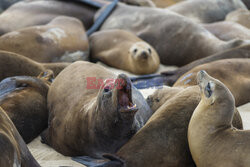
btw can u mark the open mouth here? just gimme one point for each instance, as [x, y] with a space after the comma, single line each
[124, 95]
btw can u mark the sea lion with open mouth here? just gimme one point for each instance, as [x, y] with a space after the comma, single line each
[92, 111]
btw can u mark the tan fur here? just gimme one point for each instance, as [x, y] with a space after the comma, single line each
[241, 16]
[122, 49]
[49, 43]
[212, 139]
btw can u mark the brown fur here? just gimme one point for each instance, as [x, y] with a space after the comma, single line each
[53, 42]
[25, 101]
[122, 49]
[176, 33]
[212, 139]
[12, 64]
[162, 142]
[234, 73]
[240, 16]
[85, 121]
[41, 12]
[13, 149]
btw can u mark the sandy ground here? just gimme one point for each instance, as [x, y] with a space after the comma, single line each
[47, 157]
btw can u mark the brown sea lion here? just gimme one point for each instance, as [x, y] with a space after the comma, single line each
[239, 52]
[40, 12]
[176, 33]
[162, 142]
[92, 111]
[241, 16]
[227, 30]
[24, 99]
[212, 139]
[123, 50]
[63, 39]
[234, 73]
[12, 64]
[210, 11]
[14, 152]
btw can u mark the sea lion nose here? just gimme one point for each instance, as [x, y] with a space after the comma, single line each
[144, 55]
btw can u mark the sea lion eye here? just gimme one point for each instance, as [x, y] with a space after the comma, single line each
[22, 85]
[135, 50]
[208, 91]
[149, 50]
[107, 89]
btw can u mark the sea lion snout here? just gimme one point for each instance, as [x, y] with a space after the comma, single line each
[144, 55]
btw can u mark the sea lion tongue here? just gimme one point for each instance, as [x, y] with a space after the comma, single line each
[124, 95]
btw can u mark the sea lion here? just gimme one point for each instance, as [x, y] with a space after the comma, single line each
[40, 12]
[123, 50]
[227, 30]
[14, 151]
[241, 16]
[212, 139]
[171, 77]
[234, 73]
[90, 116]
[4, 4]
[165, 3]
[201, 11]
[24, 99]
[247, 3]
[162, 142]
[63, 39]
[12, 64]
[176, 33]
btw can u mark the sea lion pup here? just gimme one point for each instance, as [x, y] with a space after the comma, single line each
[212, 139]
[234, 73]
[60, 40]
[40, 12]
[24, 99]
[86, 119]
[14, 151]
[241, 16]
[207, 11]
[239, 52]
[176, 33]
[123, 50]
[227, 30]
[162, 142]
[12, 64]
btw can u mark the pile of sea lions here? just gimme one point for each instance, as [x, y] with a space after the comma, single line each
[58, 83]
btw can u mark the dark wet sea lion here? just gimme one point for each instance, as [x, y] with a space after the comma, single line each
[40, 12]
[24, 99]
[92, 111]
[123, 50]
[213, 141]
[162, 142]
[62, 40]
[234, 73]
[12, 64]
[14, 151]
[209, 11]
[176, 33]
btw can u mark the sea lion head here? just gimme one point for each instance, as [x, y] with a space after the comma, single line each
[116, 96]
[145, 57]
[215, 97]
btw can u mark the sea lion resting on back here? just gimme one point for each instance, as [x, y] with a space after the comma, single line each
[176, 33]
[14, 151]
[90, 118]
[62, 40]
[24, 99]
[212, 139]
[12, 64]
[123, 50]
[162, 142]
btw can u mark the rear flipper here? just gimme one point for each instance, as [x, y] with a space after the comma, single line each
[109, 160]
